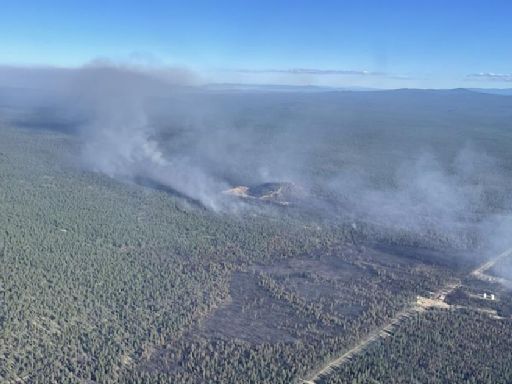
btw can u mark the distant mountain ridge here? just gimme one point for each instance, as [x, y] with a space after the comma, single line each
[280, 88]
[493, 91]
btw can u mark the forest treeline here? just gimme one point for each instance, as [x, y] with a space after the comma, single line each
[109, 282]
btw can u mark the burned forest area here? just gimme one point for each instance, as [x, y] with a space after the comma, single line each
[257, 237]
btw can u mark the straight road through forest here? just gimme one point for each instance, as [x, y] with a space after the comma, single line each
[422, 303]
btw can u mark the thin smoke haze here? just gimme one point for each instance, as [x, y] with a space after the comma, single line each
[155, 126]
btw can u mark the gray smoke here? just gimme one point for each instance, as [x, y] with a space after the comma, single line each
[119, 138]
[432, 164]
[459, 201]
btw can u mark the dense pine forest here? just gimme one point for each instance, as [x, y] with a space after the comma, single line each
[104, 280]
[428, 349]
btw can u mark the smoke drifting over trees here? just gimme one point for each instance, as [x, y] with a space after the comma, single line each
[393, 194]
[119, 136]
[405, 160]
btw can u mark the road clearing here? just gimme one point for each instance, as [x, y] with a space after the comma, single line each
[437, 300]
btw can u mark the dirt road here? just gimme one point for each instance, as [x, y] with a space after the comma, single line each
[479, 273]
[422, 303]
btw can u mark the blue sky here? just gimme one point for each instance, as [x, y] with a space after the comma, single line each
[386, 43]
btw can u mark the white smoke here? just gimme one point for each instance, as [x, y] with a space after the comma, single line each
[117, 137]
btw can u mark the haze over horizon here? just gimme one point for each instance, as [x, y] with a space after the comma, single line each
[242, 192]
[460, 44]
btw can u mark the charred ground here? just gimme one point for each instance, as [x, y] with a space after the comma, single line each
[106, 281]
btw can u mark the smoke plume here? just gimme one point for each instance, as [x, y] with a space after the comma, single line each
[432, 164]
